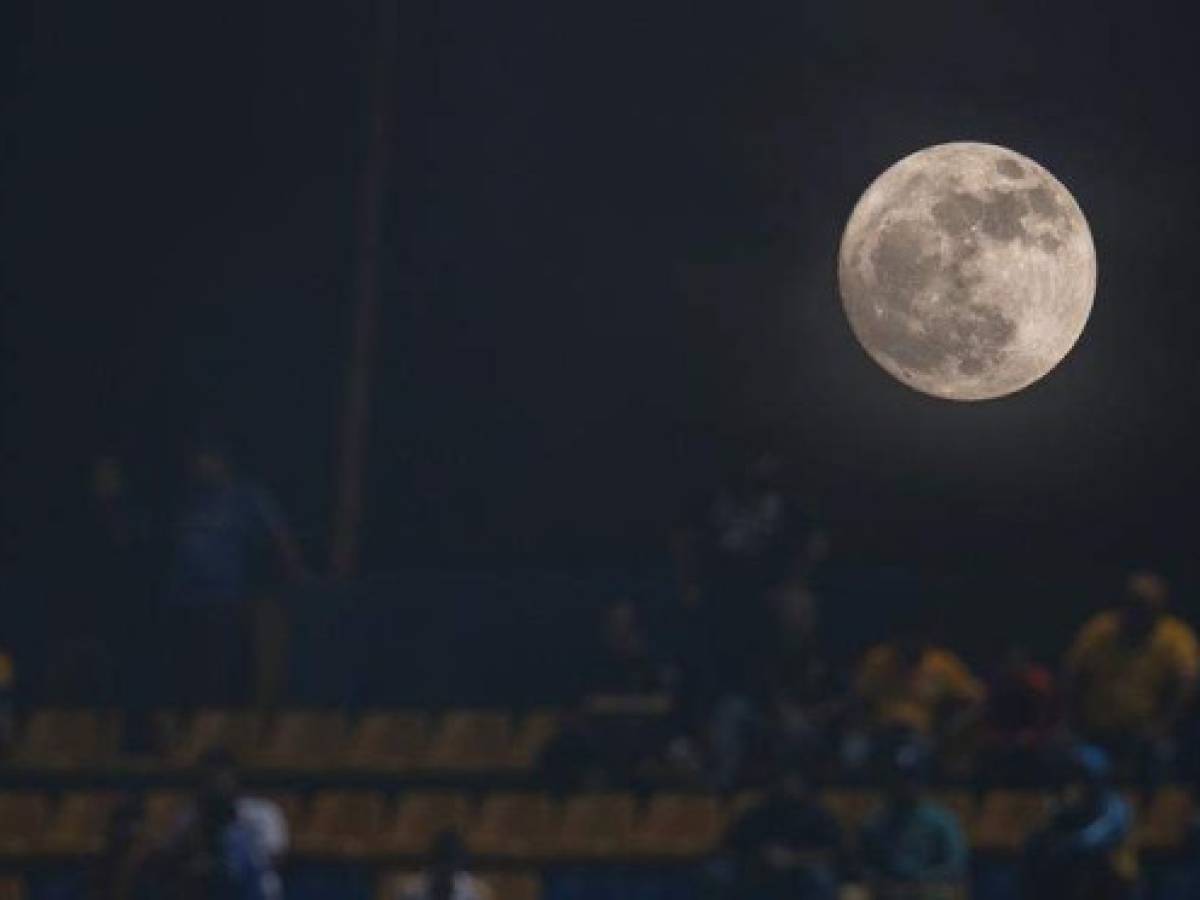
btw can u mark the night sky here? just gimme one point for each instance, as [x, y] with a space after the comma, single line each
[610, 264]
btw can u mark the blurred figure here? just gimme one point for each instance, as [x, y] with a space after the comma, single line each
[793, 706]
[909, 686]
[746, 539]
[224, 521]
[912, 848]
[1085, 853]
[118, 873]
[249, 834]
[788, 848]
[1130, 674]
[1020, 721]
[447, 877]
[624, 662]
[8, 721]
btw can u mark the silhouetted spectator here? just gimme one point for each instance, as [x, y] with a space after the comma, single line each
[789, 846]
[911, 686]
[224, 522]
[1085, 852]
[912, 847]
[625, 663]
[447, 877]
[792, 707]
[1020, 721]
[737, 545]
[121, 564]
[1130, 674]
[8, 729]
[118, 873]
[257, 827]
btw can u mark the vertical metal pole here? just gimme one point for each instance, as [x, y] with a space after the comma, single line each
[355, 421]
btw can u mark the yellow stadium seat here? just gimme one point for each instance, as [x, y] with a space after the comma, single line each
[303, 741]
[851, 807]
[471, 741]
[1007, 818]
[392, 881]
[24, 816]
[420, 816]
[963, 804]
[524, 885]
[389, 742]
[12, 888]
[1164, 820]
[597, 826]
[80, 823]
[342, 823]
[67, 738]
[535, 731]
[678, 825]
[515, 825]
[742, 802]
[233, 730]
[162, 812]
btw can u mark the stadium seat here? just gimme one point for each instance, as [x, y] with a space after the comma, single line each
[531, 736]
[162, 811]
[342, 824]
[78, 826]
[23, 819]
[69, 738]
[742, 802]
[1164, 820]
[305, 741]
[597, 826]
[963, 804]
[420, 815]
[471, 741]
[389, 742]
[851, 807]
[392, 882]
[1007, 818]
[515, 826]
[525, 885]
[678, 825]
[235, 730]
[12, 888]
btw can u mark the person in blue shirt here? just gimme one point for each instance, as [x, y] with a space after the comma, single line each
[1085, 851]
[911, 846]
[226, 524]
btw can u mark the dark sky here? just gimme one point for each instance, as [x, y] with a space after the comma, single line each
[610, 249]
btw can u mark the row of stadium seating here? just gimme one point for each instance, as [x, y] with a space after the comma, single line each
[508, 885]
[297, 741]
[530, 826]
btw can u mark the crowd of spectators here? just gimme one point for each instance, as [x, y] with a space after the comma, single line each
[732, 688]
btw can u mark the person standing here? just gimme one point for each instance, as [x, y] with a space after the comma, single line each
[224, 525]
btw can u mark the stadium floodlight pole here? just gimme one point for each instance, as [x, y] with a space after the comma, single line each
[355, 419]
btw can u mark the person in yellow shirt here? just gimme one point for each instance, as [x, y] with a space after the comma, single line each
[1131, 671]
[911, 685]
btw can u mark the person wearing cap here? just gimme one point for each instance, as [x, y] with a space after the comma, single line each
[1085, 851]
[912, 847]
[1131, 672]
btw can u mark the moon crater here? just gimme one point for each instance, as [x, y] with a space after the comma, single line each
[967, 271]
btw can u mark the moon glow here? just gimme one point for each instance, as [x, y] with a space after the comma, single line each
[967, 271]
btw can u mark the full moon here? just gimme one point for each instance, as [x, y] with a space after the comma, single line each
[967, 271]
